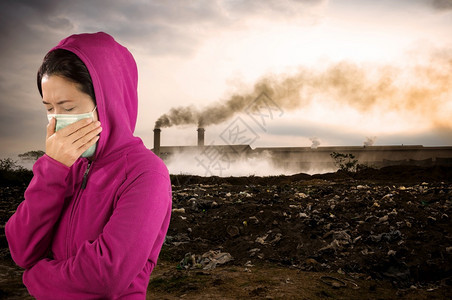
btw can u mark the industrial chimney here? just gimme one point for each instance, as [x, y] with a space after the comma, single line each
[157, 141]
[201, 137]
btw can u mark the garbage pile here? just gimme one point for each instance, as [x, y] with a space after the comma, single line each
[393, 223]
[399, 231]
[207, 261]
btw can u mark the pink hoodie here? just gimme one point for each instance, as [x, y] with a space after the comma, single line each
[101, 241]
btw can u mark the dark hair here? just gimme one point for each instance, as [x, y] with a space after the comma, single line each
[68, 65]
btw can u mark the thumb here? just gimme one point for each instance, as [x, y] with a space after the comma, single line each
[50, 128]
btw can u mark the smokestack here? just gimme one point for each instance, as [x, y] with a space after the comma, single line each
[201, 136]
[157, 141]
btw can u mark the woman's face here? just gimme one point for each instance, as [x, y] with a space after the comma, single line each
[62, 96]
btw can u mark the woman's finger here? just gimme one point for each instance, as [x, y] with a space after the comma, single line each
[82, 132]
[87, 135]
[88, 144]
[74, 127]
[50, 128]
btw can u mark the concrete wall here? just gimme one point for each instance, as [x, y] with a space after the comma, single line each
[303, 159]
[374, 156]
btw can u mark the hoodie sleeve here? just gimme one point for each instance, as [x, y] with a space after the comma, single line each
[105, 267]
[29, 230]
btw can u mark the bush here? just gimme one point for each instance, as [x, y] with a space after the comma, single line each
[345, 162]
[13, 174]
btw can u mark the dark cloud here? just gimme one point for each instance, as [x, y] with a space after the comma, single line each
[29, 28]
[442, 4]
[153, 27]
[156, 26]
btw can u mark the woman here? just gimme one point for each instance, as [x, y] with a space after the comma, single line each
[97, 210]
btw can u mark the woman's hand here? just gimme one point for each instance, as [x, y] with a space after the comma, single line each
[67, 144]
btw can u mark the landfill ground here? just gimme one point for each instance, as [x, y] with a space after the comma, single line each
[374, 234]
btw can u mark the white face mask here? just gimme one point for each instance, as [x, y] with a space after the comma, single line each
[63, 120]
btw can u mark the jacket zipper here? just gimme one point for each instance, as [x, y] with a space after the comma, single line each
[74, 207]
[85, 175]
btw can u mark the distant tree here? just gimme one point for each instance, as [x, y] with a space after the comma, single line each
[32, 155]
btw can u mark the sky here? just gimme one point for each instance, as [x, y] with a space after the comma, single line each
[295, 72]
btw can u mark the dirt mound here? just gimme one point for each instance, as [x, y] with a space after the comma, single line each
[393, 223]
[399, 174]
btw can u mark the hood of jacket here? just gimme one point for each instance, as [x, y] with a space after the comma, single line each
[115, 77]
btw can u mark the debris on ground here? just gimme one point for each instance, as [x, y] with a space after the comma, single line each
[206, 261]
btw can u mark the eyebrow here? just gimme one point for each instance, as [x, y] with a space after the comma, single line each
[58, 103]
